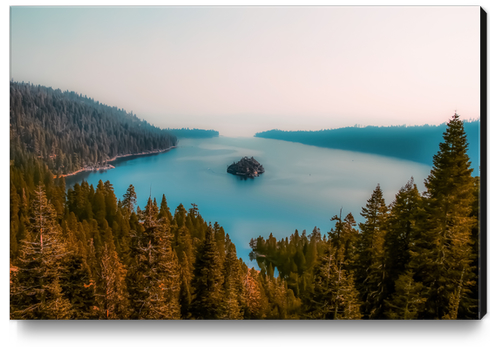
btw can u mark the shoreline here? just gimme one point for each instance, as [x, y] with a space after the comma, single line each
[156, 151]
[109, 166]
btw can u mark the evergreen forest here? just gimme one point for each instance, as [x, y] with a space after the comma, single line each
[415, 143]
[416, 258]
[68, 131]
[82, 253]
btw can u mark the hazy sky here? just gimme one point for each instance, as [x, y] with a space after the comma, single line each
[240, 70]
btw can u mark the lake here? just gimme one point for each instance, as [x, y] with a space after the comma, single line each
[302, 187]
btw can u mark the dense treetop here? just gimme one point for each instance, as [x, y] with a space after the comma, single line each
[83, 254]
[416, 258]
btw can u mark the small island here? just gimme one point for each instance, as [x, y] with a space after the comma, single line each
[246, 167]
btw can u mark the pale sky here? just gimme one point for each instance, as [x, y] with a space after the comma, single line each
[240, 70]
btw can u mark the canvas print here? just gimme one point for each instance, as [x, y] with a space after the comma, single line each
[228, 163]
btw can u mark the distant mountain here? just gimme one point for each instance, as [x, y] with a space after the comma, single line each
[416, 143]
[68, 131]
[194, 133]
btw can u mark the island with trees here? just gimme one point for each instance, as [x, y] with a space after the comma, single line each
[246, 167]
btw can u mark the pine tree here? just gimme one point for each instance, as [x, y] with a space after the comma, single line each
[41, 262]
[476, 235]
[233, 286]
[334, 234]
[180, 215]
[404, 217]
[185, 287]
[165, 210]
[183, 244]
[351, 303]
[219, 238]
[78, 287]
[344, 235]
[154, 278]
[208, 281]
[370, 262]
[110, 202]
[276, 293]
[442, 252]
[57, 306]
[92, 262]
[111, 288]
[121, 228]
[407, 301]
[129, 199]
[185, 253]
[255, 301]
[334, 295]
[318, 303]
[99, 203]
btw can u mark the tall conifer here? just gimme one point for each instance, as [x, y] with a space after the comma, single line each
[404, 217]
[233, 285]
[442, 253]
[370, 262]
[208, 281]
[154, 277]
[111, 289]
[42, 260]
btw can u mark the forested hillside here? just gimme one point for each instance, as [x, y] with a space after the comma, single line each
[69, 131]
[416, 258]
[99, 258]
[84, 254]
[416, 143]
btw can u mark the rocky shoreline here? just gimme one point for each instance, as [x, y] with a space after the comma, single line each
[106, 166]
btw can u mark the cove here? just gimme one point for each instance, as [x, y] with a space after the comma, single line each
[302, 187]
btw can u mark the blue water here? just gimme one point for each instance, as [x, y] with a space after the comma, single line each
[302, 187]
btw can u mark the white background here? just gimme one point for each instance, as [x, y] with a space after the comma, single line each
[248, 333]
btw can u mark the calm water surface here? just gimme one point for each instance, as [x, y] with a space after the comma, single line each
[302, 187]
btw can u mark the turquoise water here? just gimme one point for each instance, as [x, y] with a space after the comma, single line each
[302, 187]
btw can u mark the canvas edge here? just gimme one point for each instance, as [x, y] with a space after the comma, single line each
[482, 275]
